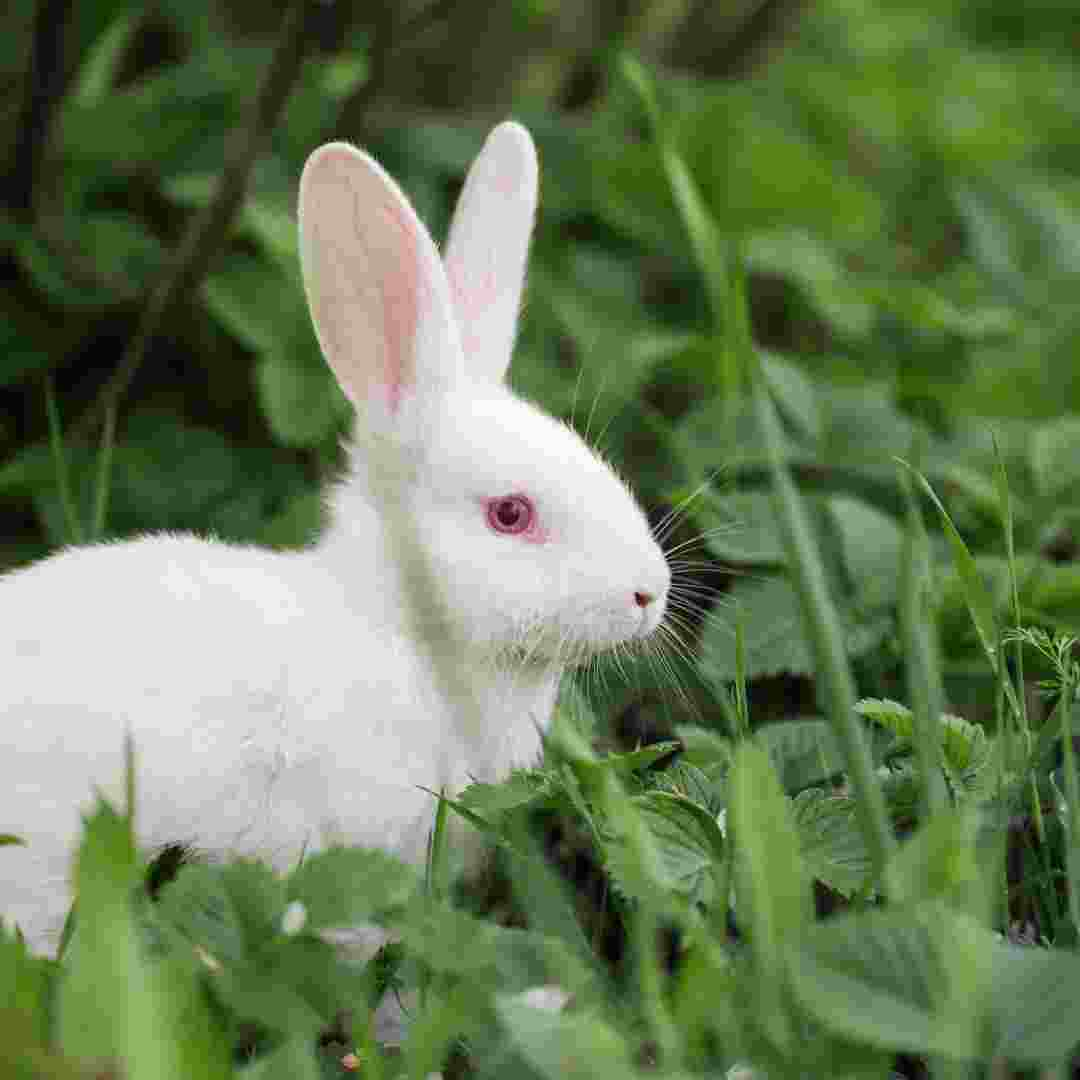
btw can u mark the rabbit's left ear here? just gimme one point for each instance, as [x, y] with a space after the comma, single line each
[488, 245]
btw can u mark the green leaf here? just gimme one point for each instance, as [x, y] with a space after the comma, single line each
[803, 752]
[1034, 1002]
[98, 72]
[939, 862]
[870, 542]
[456, 943]
[256, 303]
[797, 254]
[688, 840]
[162, 121]
[794, 393]
[299, 395]
[199, 904]
[774, 633]
[741, 527]
[772, 888]
[562, 1046]
[882, 978]
[343, 887]
[23, 988]
[114, 1004]
[831, 842]
[294, 1060]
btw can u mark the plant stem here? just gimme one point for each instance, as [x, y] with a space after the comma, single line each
[208, 229]
[44, 91]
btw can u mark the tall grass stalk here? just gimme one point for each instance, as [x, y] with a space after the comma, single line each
[921, 661]
[104, 472]
[822, 625]
[1072, 795]
[723, 278]
[1001, 481]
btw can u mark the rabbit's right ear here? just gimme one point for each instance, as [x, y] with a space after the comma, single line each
[375, 285]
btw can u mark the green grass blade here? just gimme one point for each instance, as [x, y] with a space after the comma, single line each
[63, 483]
[772, 889]
[978, 600]
[823, 631]
[104, 472]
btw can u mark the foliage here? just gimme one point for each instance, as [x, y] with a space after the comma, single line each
[824, 321]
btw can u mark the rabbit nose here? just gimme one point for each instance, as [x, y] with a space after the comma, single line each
[643, 599]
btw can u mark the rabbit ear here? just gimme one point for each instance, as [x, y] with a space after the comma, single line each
[489, 241]
[375, 285]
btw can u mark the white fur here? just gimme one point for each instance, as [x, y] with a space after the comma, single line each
[279, 702]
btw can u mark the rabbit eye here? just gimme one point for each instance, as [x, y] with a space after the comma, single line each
[511, 514]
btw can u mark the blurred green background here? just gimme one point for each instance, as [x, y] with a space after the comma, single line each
[901, 178]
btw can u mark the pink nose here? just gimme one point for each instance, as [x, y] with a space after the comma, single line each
[643, 599]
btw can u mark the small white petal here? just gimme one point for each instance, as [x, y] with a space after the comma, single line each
[294, 918]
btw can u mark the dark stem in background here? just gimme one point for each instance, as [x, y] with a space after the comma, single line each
[389, 35]
[44, 90]
[705, 45]
[208, 229]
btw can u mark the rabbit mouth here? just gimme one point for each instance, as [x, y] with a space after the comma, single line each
[547, 645]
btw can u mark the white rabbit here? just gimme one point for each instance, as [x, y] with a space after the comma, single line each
[281, 701]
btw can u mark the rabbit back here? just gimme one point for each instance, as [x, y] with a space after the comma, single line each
[268, 714]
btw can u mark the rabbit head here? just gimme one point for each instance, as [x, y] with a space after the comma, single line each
[534, 543]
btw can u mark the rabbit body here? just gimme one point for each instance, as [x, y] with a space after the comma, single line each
[282, 701]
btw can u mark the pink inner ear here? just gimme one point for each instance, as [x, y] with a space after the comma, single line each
[399, 287]
[475, 290]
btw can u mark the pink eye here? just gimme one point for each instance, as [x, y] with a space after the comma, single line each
[510, 514]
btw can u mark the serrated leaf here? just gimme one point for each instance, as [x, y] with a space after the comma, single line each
[831, 841]
[684, 779]
[343, 886]
[494, 804]
[965, 745]
[890, 714]
[688, 840]
[879, 978]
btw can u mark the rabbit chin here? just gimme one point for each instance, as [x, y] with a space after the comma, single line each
[573, 641]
